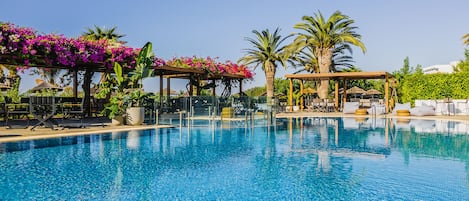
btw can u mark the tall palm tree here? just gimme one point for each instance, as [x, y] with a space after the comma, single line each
[308, 62]
[267, 51]
[466, 39]
[324, 37]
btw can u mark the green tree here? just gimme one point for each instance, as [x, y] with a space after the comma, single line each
[402, 76]
[324, 37]
[267, 52]
[463, 65]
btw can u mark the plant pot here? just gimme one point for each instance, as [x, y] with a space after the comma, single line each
[117, 120]
[135, 115]
[296, 108]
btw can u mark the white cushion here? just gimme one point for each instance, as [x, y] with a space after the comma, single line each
[378, 108]
[422, 111]
[405, 106]
[350, 107]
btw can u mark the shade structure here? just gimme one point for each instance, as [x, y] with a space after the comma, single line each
[355, 90]
[372, 92]
[45, 85]
[309, 90]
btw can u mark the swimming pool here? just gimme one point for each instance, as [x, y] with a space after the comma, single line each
[296, 159]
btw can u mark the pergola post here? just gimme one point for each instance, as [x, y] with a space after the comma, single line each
[240, 86]
[386, 93]
[75, 83]
[336, 96]
[190, 86]
[198, 89]
[168, 88]
[290, 95]
[301, 95]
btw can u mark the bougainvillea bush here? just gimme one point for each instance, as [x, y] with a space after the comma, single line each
[24, 47]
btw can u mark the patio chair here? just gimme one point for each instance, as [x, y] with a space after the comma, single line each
[43, 108]
[18, 112]
[317, 105]
[3, 111]
[72, 109]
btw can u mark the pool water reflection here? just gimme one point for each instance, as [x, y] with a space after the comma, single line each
[293, 159]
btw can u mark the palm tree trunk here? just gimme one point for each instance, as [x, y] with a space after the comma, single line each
[269, 76]
[324, 61]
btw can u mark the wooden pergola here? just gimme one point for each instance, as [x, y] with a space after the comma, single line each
[387, 77]
[169, 72]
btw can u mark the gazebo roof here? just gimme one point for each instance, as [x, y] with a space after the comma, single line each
[341, 75]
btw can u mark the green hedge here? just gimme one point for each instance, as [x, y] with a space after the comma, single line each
[434, 86]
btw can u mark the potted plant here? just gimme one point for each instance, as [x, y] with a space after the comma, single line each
[135, 96]
[127, 103]
[114, 87]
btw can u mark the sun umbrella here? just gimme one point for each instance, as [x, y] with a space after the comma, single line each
[355, 90]
[372, 92]
[45, 85]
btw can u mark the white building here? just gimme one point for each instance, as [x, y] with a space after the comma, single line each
[440, 68]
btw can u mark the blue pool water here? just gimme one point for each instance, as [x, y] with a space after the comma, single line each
[295, 159]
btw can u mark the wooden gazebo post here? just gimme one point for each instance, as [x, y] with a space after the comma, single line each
[161, 92]
[301, 95]
[344, 93]
[290, 95]
[386, 93]
[168, 88]
[336, 95]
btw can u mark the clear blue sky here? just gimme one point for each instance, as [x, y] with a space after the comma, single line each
[427, 31]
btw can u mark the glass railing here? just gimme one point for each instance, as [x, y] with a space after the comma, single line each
[201, 110]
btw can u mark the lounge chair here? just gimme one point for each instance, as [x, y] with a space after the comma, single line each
[423, 110]
[350, 107]
[399, 106]
[376, 108]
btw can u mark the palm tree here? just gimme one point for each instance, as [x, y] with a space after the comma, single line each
[324, 37]
[103, 33]
[308, 62]
[51, 75]
[466, 39]
[267, 51]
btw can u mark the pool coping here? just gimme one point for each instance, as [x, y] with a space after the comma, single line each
[45, 133]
